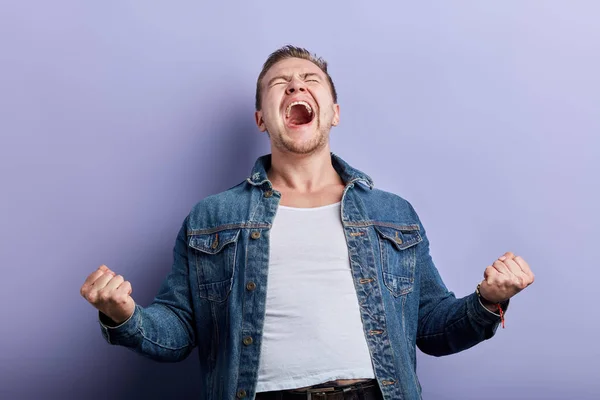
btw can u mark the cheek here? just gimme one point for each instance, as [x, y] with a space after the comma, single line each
[270, 114]
[325, 102]
[327, 110]
[271, 106]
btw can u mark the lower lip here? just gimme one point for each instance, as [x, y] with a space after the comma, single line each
[297, 127]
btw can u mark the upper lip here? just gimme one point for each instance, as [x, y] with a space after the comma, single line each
[287, 103]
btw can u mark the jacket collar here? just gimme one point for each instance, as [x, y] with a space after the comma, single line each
[348, 174]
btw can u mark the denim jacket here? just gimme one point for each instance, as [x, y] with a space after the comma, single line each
[214, 297]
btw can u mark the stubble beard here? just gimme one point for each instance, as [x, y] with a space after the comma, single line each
[319, 141]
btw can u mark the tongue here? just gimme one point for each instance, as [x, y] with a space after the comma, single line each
[299, 115]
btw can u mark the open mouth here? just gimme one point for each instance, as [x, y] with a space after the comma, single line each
[299, 113]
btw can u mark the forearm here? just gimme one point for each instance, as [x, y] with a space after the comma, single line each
[155, 332]
[446, 324]
[454, 325]
[164, 330]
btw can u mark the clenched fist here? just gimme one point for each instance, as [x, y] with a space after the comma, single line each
[507, 276]
[109, 293]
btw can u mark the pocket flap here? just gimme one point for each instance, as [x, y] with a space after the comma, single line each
[402, 237]
[212, 243]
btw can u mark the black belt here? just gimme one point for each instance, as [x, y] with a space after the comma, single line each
[360, 391]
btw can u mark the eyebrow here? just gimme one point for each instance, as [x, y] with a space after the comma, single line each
[289, 77]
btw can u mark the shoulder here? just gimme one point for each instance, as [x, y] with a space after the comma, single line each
[221, 208]
[387, 204]
[381, 206]
[225, 197]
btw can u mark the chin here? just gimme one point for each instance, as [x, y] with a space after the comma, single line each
[306, 145]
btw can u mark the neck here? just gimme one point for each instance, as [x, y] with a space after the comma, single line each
[302, 172]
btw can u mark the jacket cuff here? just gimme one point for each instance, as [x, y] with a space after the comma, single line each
[481, 314]
[114, 333]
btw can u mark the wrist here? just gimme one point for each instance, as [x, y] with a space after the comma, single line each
[485, 300]
[494, 307]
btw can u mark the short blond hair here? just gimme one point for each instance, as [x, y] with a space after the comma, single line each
[286, 52]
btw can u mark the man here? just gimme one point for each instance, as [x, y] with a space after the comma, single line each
[304, 281]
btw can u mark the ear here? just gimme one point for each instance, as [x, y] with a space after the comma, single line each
[259, 121]
[336, 115]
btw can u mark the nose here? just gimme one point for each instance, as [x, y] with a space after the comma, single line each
[294, 86]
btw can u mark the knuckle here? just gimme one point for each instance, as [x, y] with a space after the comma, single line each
[517, 280]
[103, 295]
[529, 280]
[92, 297]
[522, 282]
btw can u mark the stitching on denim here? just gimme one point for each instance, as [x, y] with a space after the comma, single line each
[243, 312]
[214, 250]
[255, 207]
[476, 318]
[161, 345]
[446, 329]
[384, 263]
[216, 322]
[473, 314]
[411, 227]
[410, 344]
[482, 321]
[384, 316]
[403, 246]
[219, 228]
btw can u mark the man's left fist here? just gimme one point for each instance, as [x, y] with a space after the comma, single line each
[506, 277]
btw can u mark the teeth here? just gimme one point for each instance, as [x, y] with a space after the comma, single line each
[295, 103]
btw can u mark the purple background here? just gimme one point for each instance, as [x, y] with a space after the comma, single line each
[117, 116]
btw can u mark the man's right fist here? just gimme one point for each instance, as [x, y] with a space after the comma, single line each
[109, 293]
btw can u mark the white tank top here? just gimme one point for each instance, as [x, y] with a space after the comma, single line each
[313, 331]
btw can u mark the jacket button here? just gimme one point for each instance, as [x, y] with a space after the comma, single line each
[268, 193]
[398, 239]
[255, 235]
[241, 394]
[248, 340]
[250, 286]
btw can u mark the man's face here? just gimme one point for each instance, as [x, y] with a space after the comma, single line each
[297, 107]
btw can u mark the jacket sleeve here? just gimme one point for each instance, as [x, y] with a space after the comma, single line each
[446, 324]
[163, 331]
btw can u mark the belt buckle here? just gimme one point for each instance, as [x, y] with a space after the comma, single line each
[323, 391]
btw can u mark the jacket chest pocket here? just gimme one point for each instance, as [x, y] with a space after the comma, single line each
[397, 247]
[214, 257]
